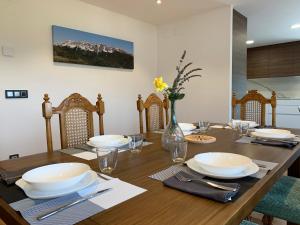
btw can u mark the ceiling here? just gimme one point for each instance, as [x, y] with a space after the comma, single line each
[149, 11]
[269, 21]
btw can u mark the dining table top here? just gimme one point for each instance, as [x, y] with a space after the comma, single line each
[163, 205]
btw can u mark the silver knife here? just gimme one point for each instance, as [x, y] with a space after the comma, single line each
[51, 213]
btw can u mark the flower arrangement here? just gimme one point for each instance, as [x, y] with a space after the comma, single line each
[183, 74]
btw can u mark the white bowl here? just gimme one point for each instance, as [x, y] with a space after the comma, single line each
[109, 141]
[252, 124]
[222, 163]
[56, 176]
[273, 133]
[186, 126]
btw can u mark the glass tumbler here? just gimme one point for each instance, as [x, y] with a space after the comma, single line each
[243, 129]
[107, 159]
[203, 126]
[178, 151]
[136, 143]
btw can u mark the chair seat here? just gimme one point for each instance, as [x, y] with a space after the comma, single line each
[246, 222]
[283, 200]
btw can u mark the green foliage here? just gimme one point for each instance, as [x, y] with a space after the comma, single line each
[183, 75]
[78, 56]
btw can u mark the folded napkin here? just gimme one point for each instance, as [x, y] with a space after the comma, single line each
[284, 144]
[202, 190]
[10, 177]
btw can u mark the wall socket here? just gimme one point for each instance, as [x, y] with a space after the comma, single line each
[14, 156]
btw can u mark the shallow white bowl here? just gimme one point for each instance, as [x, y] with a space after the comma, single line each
[186, 126]
[222, 163]
[273, 133]
[109, 141]
[252, 124]
[55, 176]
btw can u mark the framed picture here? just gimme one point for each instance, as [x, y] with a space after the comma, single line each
[74, 46]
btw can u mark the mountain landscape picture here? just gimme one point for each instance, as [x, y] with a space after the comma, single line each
[74, 46]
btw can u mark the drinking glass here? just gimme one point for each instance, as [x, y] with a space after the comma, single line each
[203, 126]
[243, 129]
[136, 144]
[107, 159]
[178, 151]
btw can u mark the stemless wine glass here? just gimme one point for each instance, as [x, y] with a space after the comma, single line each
[136, 143]
[178, 151]
[243, 129]
[203, 126]
[107, 159]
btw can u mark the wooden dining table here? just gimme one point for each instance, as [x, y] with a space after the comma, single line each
[160, 204]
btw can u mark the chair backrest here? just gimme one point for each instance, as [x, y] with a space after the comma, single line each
[154, 110]
[75, 119]
[253, 107]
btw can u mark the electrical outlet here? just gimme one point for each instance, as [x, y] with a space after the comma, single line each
[14, 156]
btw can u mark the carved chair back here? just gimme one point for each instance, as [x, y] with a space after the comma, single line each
[75, 119]
[154, 111]
[253, 107]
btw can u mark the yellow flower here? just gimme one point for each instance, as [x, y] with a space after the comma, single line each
[159, 84]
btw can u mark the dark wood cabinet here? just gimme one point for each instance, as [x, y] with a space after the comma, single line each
[278, 60]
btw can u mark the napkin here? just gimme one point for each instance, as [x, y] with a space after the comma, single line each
[202, 190]
[284, 144]
[10, 177]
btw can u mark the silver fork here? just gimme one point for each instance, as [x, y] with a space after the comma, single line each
[182, 178]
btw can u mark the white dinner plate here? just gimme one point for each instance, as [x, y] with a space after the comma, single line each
[187, 126]
[115, 141]
[193, 165]
[86, 181]
[273, 134]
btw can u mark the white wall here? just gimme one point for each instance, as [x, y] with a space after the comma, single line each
[207, 39]
[285, 87]
[26, 26]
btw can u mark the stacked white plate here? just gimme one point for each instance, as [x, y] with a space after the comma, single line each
[252, 124]
[187, 128]
[109, 141]
[273, 134]
[56, 180]
[222, 165]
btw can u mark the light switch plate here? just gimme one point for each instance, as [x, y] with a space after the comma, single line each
[8, 51]
[16, 93]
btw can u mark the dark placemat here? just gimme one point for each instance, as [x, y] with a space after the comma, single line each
[11, 193]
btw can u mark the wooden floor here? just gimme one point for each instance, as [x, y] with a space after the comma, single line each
[257, 217]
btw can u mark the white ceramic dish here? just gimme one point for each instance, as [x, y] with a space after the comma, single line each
[109, 141]
[187, 126]
[273, 134]
[251, 169]
[252, 124]
[89, 178]
[56, 176]
[222, 163]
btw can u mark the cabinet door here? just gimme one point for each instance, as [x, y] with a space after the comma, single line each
[257, 63]
[287, 114]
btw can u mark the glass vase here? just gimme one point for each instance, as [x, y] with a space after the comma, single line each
[172, 134]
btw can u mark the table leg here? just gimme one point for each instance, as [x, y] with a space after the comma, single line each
[294, 171]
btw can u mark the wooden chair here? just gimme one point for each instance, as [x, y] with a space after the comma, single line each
[154, 108]
[75, 118]
[253, 107]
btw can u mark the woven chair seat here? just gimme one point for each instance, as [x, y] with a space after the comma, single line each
[283, 201]
[246, 222]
